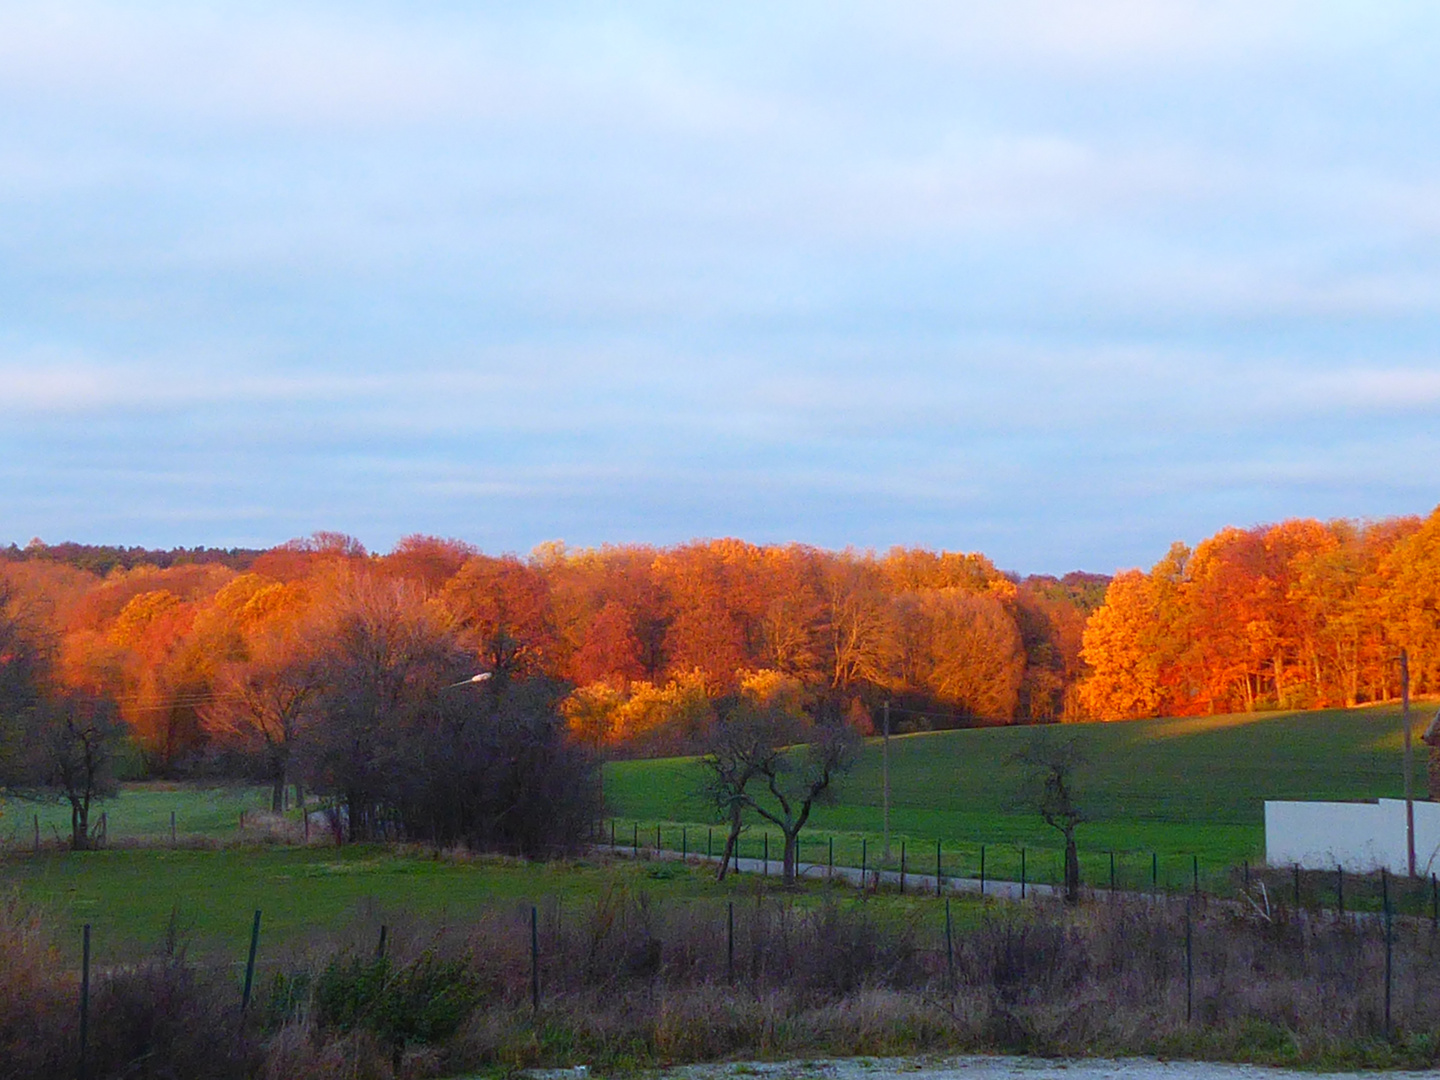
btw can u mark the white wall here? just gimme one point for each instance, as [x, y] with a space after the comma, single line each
[1361, 837]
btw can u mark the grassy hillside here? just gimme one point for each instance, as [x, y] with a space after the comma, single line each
[1176, 787]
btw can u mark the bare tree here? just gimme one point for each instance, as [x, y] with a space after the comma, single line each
[53, 745]
[73, 745]
[737, 742]
[1050, 766]
[753, 765]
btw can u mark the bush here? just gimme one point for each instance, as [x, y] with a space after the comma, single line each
[422, 1002]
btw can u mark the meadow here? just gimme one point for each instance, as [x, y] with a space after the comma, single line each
[1161, 795]
[136, 898]
[140, 814]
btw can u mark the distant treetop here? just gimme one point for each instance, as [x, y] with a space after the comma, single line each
[102, 558]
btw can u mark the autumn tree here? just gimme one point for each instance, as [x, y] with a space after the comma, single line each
[1124, 682]
[430, 561]
[715, 608]
[1411, 574]
[502, 607]
[270, 675]
[611, 650]
[964, 649]
[859, 624]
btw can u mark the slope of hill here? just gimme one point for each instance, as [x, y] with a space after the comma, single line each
[1191, 785]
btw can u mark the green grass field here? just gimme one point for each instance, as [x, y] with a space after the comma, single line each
[1175, 788]
[309, 895]
[1178, 788]
[140, 812]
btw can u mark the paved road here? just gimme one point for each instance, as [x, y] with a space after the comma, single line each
[913, 882]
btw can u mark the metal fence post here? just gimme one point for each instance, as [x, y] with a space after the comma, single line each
[1112, 871]
[1022, 873]
[1340, 890]
[1297, 886]
[684, 844]
[1189, 967]
[766, 856]
[830, 874]
[84, 1001]
[172, 828]
[982, 869]
[637, 840]
[1155, 871]
[939, 880]
[1195, 871]
[250, 962]
[949, 946]
[902, 867]
[864, 857]
[730, 940]
[1389, 944]
[534, 958]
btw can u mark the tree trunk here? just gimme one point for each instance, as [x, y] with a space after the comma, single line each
[731, 841]
[792, 844]
[277, 792]
[79, 826]
[1072, 868]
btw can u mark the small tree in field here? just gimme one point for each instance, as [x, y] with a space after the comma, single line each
[737, 743]
[753, 765]
[73, 750]
[1049, 786]
[53, 744]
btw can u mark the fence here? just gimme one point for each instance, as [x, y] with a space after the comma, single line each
[1007, 869]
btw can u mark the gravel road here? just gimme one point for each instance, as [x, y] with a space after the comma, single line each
[986, 1068]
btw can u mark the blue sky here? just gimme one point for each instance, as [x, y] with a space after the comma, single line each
[1057, 282]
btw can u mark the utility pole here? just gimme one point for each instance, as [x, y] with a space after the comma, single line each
[1409, 792]
[885, 774]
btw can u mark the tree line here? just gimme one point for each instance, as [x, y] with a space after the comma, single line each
[207, 654]
[229, 660]
[1297, 615]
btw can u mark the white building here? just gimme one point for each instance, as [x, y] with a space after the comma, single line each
[1361, 837]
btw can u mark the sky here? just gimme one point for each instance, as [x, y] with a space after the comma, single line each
[1062, 283]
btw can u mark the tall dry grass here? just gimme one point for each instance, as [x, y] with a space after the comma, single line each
[627, 981]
